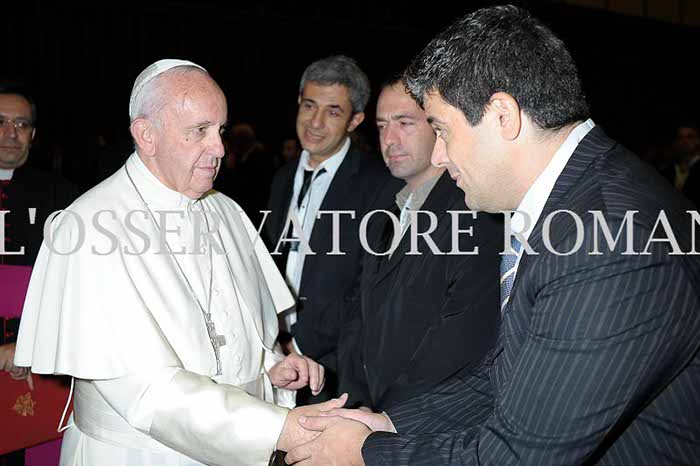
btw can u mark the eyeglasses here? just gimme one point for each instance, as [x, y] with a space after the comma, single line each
[20, 125]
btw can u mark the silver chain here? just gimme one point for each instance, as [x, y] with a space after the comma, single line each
[217, 341]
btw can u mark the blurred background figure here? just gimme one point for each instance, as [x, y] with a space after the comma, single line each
[290, 149]
[247, 170]
[112, 148]
[27, 198]
[685, 151]
[23, 188]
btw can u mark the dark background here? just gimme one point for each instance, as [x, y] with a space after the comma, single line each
[81, 60]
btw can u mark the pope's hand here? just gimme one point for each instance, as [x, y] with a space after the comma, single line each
[7, 356]
[340, 443]
[378, 422]
[296, 371]
[294, 434]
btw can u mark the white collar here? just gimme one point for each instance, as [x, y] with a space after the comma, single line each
[6, 173]
[535, 198]
[331, 164]
[155, 193]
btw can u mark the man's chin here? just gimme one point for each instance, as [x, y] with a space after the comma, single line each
[11, 162]
[200, 190]
[396, 172]
[313, 146]
[471, 203]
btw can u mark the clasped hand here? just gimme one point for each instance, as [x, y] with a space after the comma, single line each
[336, 434]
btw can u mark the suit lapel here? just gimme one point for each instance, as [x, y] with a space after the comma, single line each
[284, 202]
[435, 202]
[592, 147]
[334, 199]
[339, 187]
[439, 201]
[386, 234]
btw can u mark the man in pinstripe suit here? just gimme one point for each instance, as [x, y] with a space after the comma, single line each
[597, 361]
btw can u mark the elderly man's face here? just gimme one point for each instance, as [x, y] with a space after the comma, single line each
[188, 147]
[405, 137]
[16, 131]
[325, 118]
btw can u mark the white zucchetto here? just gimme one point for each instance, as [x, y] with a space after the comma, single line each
[151, 71]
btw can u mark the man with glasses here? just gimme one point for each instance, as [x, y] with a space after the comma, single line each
[27, 197]
[23, 188]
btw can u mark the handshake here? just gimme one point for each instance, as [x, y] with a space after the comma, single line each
[325, 433]
[328, 434]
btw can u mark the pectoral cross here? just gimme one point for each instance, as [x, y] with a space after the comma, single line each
[217, 341]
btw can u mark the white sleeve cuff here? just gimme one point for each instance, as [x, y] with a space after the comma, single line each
[296, 347]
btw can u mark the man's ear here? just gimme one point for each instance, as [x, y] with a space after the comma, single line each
[355, 121]
[144, 135]
[505, 111]
[33, 134]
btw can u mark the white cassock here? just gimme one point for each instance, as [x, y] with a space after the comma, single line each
[124, 323]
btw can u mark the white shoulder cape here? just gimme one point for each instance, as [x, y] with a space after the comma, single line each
[100, 316]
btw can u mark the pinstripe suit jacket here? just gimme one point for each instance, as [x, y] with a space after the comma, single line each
[597, 361]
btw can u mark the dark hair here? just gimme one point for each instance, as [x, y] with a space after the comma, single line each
[342, 70]
[12, 87]
[396, 79]
[686, 123]
[501, 49]
[392, 80]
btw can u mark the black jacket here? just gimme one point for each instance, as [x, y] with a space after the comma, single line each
[356, 187]
[423, 317]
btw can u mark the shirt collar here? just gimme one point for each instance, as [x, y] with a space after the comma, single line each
[418, 195]
[6, 173]
[331, 164]
[535, 198]
[154, 192]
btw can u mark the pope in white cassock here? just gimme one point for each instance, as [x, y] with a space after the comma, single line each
[155, 294]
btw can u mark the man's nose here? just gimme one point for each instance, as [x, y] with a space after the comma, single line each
[316, 120]
[8, 129]
[439, 156]
[217, 148]
[390, 135]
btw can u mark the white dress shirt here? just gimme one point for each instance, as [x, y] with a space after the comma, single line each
[307, 212]
[536, 197]
[6, 173]
[408, 200]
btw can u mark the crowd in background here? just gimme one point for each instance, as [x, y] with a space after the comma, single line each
[247, 169]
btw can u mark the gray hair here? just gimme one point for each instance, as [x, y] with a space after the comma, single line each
[150, 100]
[343, 70]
